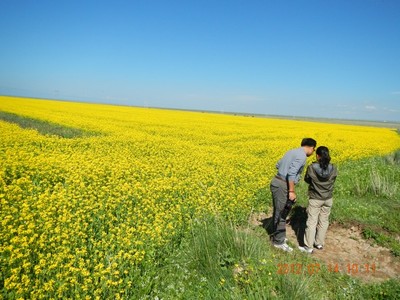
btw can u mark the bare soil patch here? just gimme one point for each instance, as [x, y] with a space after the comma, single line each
[345, 249]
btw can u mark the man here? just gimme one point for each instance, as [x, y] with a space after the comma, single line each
[283, 185]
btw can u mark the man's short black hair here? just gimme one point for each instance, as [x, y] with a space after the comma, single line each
[309, 142]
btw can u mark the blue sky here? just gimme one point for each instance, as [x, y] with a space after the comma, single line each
[337, 59]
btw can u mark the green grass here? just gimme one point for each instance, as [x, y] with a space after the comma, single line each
[219, 260]
[44, 127]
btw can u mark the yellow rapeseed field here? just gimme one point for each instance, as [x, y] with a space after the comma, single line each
[81, 217]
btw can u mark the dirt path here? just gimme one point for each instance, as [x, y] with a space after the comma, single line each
[345, 249]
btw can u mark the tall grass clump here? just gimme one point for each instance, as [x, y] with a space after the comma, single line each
[381, 185]
[370, 177]
[376, 182]
[219, 260]
[394, 158]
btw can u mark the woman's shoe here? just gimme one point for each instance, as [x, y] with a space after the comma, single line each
[306, 249]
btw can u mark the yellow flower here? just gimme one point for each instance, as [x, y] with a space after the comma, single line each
[84, 212]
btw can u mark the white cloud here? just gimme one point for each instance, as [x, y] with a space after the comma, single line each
[342, 105]
[370, 107]
[392, 110]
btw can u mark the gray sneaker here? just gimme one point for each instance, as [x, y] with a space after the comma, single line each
[306, 249]
[283, 247]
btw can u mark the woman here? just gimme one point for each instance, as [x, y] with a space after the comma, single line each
[320, 176]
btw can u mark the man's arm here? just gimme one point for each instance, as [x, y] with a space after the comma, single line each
[292, 192]
[294, 171]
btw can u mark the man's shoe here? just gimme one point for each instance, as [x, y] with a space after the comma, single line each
[306, 249]
[319, 247]
[283, 247]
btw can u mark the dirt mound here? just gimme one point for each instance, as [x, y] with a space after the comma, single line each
[345, 249]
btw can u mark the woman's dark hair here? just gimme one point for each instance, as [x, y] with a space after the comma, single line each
[324, 157]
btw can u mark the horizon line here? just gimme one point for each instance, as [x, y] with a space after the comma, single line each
[234, 113]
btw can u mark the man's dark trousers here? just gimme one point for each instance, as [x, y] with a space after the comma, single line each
[279, 190]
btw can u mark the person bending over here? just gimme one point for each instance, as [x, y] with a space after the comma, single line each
[282, 187]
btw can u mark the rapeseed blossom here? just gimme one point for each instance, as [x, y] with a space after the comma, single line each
[80, 216]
